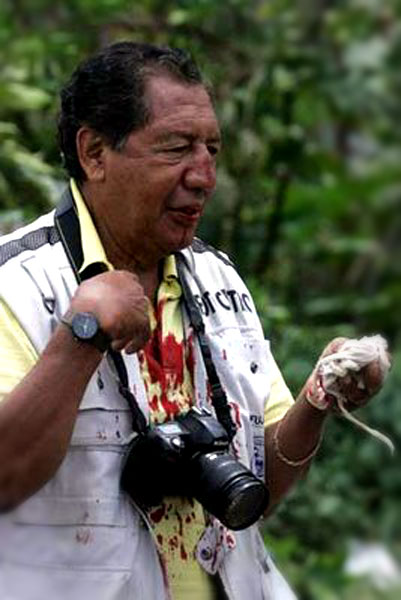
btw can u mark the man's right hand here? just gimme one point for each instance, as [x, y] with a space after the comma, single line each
[117, 300]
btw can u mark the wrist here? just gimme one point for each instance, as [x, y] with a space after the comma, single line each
[287, 457]
[85, 329]
[315, 394]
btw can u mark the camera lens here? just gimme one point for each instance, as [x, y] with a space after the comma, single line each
[228, 490]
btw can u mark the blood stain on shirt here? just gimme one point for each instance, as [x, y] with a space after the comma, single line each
[158, 514]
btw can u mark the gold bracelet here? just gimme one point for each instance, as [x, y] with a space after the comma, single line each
[288, 461]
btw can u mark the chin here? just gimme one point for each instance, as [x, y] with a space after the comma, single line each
[178, 245]
[184, 240]
[175, 239]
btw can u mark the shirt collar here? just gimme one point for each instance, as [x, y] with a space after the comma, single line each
[92, 249]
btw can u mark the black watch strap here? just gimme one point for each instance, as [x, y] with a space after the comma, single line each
[92, 335]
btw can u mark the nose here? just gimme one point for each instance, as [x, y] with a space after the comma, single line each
[200, 173]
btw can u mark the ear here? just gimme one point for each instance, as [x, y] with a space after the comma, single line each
[90, 149]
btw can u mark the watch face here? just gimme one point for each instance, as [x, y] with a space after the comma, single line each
[84, 326]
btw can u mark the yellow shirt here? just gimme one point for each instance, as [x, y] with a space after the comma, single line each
[166, 370]
[166, 367]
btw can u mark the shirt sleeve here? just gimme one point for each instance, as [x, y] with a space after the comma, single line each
[17, 354]
[280, 398]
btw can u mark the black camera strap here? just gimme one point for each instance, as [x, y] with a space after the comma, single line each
[67, 223]
[219, 397]
[139, 423]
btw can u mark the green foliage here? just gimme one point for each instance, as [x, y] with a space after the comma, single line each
[308, 204]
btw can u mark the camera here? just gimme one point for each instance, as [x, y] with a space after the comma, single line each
[189, 457]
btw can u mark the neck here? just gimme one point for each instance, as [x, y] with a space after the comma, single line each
[123, 256]
[150, 282]
[149, 275]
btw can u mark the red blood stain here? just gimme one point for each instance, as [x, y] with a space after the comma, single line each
[165, 362]
[153, 404]
[173, 358]
[160, 539]
[158, 514]
[173, 542]
[155, 369]
[237, 415]
[183, 553]
[188, 519]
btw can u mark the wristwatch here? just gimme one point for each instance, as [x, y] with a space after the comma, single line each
[85, 328]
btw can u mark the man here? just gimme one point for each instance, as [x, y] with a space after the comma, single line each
[105, 274]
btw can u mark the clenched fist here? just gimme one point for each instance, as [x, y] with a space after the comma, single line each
[117, 300]
[349, 372]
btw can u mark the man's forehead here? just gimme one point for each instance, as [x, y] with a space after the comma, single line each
[167, 96]
[166, 130]
[170, 132]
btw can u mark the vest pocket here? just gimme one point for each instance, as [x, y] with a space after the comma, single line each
[80, 520]
[242, 362]
[30, 583]
[73, 533]
[101, 426]
[104, 417]
[40, 510]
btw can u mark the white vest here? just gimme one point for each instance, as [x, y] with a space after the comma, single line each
[79, 537]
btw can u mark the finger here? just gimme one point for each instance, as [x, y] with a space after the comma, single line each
[372, 376]
[131, 348]
[118, 345]
[333, 346]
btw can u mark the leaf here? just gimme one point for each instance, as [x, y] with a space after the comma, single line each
[19, 96]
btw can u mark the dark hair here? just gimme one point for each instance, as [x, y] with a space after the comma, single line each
[107, 93]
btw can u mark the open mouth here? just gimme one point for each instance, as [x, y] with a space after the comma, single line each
[188, 214]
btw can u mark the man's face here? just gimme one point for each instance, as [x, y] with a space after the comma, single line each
[157, 185]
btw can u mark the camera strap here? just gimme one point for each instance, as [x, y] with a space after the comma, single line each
[67, 223]
[139, 423]
[218, 395]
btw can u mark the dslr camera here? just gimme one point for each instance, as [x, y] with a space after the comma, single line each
[190, 457]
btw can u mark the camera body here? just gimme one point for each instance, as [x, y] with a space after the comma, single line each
[189, 457]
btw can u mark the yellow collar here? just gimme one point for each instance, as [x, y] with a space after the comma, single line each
[92, 248]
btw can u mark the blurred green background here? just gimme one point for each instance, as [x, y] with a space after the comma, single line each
[308, 203]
